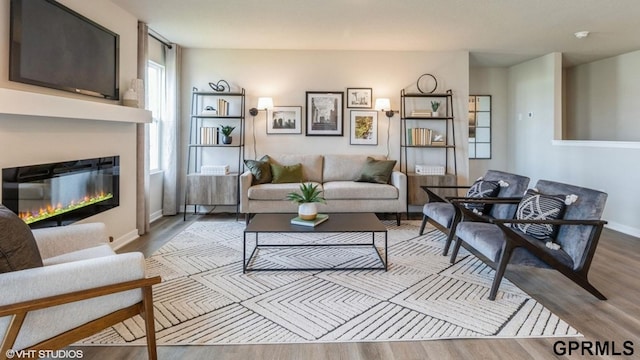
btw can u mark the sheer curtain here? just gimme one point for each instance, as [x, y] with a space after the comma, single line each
[171, 130]
[142, 138]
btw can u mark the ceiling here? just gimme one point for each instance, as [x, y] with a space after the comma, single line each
[495, 32]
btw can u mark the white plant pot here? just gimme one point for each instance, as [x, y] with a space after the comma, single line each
[307, 211]
[434, 114]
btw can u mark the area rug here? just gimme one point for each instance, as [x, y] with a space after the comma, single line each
[206, 299]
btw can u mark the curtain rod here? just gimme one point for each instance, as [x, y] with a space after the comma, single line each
[162, 41]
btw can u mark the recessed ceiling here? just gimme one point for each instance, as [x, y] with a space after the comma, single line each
[495, 32]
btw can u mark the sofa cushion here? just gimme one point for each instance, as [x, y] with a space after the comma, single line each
[376, 171]
[274, 191]
[286, 173]
[341, 167]
[346, 190]
[260, 169]
[311, 164]
[18, 248]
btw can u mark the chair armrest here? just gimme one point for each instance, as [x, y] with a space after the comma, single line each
[485, 200]
[550, 221]
[60, 240]
[47, 281]
[246, 179]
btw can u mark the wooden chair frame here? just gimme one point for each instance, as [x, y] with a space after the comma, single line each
[19, 311]
[514, 239]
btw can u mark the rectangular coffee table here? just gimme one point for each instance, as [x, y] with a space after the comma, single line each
[337, 223]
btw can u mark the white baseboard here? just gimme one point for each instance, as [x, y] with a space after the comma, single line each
[125, 239]
[623, 229]
[155, 216]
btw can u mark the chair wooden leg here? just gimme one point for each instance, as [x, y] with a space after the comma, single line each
[501, 267]
[456, 248]
[451, 235]
[581, 279]
[424, 223]
[147, 309]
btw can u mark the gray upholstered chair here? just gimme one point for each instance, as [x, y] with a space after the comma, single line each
[569, 248]
[443, 215]
[62, 284]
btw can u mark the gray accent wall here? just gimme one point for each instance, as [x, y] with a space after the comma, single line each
[536, 87]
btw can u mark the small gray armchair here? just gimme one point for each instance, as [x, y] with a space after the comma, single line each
[568, 249]
[444, 216]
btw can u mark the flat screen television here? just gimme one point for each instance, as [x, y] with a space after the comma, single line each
[53, 46]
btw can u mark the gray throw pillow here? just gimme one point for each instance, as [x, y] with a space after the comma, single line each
[261, 170]
[376, 171]
[18, 249]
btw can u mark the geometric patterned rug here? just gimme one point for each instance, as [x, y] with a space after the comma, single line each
[204, 297]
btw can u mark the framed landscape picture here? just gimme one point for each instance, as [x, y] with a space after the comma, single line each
[359, 98]
[364, 127]
[324, 113]
[284, 120]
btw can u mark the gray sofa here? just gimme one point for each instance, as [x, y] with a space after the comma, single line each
[335, 174]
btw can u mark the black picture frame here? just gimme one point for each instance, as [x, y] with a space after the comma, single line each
[325, 113]
[359, 98]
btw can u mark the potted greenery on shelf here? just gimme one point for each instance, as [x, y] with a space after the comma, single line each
[226, 134]
[434, 107]
[306, 200]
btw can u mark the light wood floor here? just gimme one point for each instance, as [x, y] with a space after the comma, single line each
[615, 272]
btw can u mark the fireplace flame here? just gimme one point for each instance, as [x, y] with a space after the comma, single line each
[49, 210]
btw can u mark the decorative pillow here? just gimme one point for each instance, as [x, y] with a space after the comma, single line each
[536, 206]
[18, 249]
[261, 170]
[482, 189]
[376, 171]
[286, 174]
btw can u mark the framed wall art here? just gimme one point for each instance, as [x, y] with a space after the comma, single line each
[284, 120]
[364, 127]
[359, 98]
[324, 113]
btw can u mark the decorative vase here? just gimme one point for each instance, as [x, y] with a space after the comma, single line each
[307, 211]
[130, 98]
[434, 114]
[226, 139]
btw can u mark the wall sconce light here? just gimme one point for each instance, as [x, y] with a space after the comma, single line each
[384, 104]
[264, 103]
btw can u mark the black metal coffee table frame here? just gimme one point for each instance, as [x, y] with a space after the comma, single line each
[337, 223]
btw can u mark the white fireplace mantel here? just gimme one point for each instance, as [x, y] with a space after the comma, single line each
[16, 102]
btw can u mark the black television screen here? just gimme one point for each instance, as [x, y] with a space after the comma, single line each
[53, 46]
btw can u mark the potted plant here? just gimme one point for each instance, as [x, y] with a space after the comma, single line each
[226, 134]
[434, 106]
[307, 198]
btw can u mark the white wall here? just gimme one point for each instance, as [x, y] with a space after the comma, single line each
[286, 75]
[491, 81]
[602, 99]
[535, 86]
[31, 140]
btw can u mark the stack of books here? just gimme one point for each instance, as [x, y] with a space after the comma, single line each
[320, 218]
[209, 135]
[419, 136]
[421, 113]
[223, 107]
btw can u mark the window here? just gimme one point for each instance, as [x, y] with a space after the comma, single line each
[156, 89]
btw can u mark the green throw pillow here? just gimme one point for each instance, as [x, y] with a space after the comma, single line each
[261, 170]
[377, 171]
[286, 174]
[18, 249]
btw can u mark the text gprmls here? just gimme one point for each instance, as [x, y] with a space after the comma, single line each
[595, 348]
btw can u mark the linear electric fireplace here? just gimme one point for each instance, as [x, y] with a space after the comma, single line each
[60, 193]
